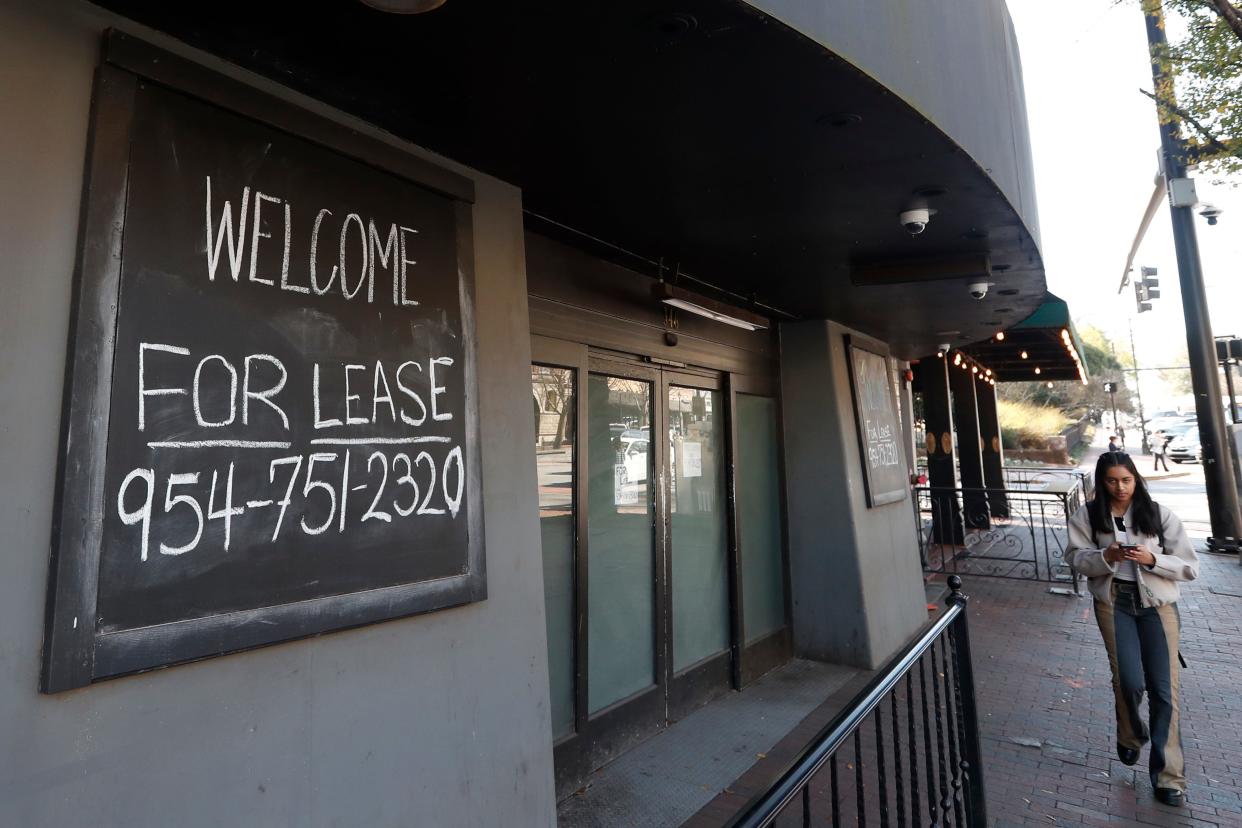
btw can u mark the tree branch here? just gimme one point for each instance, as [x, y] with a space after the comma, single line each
[1218, 148]
[1230, 14]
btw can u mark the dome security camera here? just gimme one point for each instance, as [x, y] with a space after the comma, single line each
[1211, 213]
[978, 290]
[915, 220]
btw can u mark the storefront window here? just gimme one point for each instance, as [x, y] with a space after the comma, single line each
[759, 514]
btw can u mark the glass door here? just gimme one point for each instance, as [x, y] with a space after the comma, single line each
[621, 539]
[659, 594]
[697, 540]
[555, 395]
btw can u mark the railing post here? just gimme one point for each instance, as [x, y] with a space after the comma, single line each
[1066, 506]
[972, 754]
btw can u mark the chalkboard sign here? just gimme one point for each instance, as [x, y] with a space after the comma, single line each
[271, 430]
[885, 474]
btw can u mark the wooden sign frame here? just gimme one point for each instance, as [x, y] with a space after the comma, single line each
[75, 652]
[895, 493]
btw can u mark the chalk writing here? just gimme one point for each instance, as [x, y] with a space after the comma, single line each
[323, 499]
[875, 409]
[360, 247]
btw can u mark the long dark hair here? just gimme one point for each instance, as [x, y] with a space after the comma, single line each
[1145, 515]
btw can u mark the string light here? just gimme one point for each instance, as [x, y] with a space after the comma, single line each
[1025, 354]
[1037, 369]
[964, 362]
[1050, 385]
[1068, 341]
[1000, 336]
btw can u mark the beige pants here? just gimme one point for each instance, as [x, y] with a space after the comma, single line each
[1142, 644]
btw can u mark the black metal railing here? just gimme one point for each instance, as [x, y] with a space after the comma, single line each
[1019, 532]
[910, 744]
[1041, 477]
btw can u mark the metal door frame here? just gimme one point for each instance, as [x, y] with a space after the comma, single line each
[605, 734]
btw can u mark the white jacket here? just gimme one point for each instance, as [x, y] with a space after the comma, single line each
[1177, 561]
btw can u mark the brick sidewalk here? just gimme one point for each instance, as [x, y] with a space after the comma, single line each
[1046, 707]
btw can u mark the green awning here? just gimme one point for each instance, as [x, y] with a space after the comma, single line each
[1035, 342]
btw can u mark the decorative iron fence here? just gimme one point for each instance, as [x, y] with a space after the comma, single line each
[907, 753]
[1016, 532]
[1035, 476]
[1040, 477]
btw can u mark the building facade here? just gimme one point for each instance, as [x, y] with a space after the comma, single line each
[640, 286]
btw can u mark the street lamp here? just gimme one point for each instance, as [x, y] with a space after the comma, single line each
[1110, 388]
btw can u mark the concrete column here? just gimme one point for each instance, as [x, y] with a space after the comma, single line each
[941, 463]
[855, 578]
[969, 448]
[993, 451]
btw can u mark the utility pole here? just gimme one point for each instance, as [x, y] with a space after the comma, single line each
[1233, 397]
[1228, 351]
[1218, 475]
[1138, 389]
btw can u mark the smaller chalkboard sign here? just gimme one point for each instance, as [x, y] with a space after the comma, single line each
[879, 429]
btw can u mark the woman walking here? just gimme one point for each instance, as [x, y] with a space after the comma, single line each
[1158, 444]
[1134, 552]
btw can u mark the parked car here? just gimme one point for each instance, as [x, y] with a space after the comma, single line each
[1178, 422]
[1185, 449]
[1175, 430]
[634, 445]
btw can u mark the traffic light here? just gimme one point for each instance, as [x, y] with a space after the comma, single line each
[1151, 285]
[1146, 288]
[1110, 388]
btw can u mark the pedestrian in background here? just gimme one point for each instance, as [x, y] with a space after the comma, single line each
[1112, 443]
[1158, 442]
[1134, 552]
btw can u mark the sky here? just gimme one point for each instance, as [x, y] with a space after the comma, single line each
[1094, 139]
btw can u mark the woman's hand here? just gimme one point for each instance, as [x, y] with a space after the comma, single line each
[1114, 553]
[1139, 555]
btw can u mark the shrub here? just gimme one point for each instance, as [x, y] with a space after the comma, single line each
[1028, 426]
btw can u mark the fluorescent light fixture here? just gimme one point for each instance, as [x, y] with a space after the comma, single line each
[676, 297]
[711, 314]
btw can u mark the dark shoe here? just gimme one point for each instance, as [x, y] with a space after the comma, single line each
[1170, 796]
[1129, 756]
